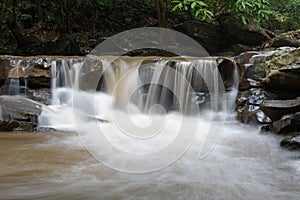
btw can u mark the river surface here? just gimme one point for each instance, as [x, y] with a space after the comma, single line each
[243, 165]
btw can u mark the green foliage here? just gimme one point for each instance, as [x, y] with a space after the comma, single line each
[195, 7]
[289, 18]
[209, 9]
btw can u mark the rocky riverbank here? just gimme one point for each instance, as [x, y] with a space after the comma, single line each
[269, 92]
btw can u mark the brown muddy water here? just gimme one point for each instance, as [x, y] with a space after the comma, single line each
[57, 166]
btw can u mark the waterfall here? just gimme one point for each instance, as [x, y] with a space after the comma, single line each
[16, 81]
[177, 84]
[174, 85]
[64, 74]
[231, 95]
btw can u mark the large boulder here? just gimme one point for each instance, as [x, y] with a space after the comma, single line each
[212, 37]
[291, 39]
[18, 113]
[19, 109]
[283, 71]
[250, 34]
[275, 109]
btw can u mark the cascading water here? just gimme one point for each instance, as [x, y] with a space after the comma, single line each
[178, 86]
[16, 82]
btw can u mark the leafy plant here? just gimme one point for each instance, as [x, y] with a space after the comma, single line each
[195, 7]
[288, 17]
[209, 9]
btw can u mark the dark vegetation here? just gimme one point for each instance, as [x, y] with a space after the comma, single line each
[74, 27]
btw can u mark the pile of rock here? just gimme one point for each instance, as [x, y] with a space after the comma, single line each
[268, 91]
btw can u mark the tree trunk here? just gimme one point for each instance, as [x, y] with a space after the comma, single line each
[161, 9]
[39, 10]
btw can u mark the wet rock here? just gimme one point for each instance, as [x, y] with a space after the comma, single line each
[42, 95]
[287, 124]
[244, 83]
[229, 73]
[18, 114]
[244, 58]
[251, 68]
[46, 129]
[255, 72]
[262, 118]
[252, 98]
[291, 38]
[291, 142]
[8, 125]
[19, 109]
[242, 98]
[248, 114]
[39, 78]
[256, 97]
[275, 109]
[26, 126]
[251, 34]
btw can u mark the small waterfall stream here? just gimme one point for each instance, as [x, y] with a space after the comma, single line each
[173, 85]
